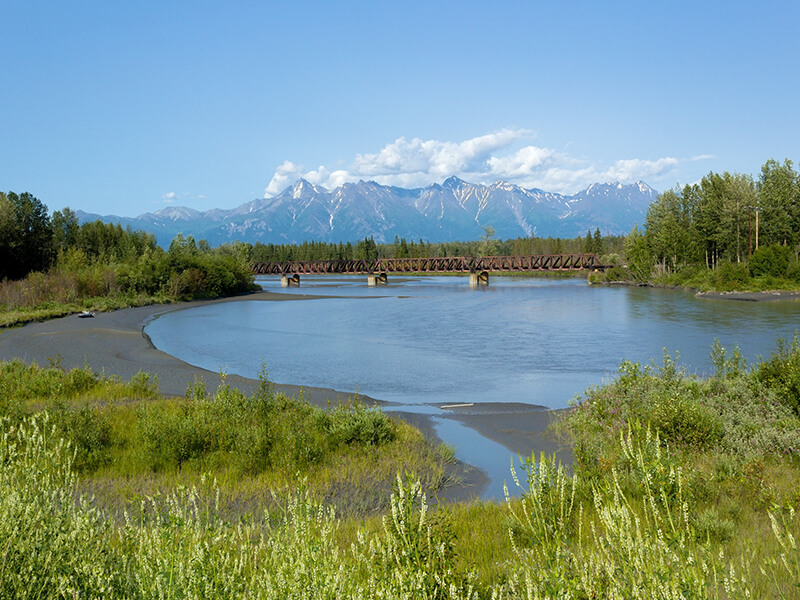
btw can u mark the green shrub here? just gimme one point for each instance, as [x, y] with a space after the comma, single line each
[731, 276]
[87, 431]
[710, 526]
[355, 423]
[770, 261]
[144, 385]
[782, 372]
[793, 272]
[684, 420]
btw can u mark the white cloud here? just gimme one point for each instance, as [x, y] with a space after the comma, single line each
[522, 163]
[284, 176]
[703, 157]
[483, 159]
[634, 168]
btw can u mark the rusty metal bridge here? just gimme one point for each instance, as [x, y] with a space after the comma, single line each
[478, 267]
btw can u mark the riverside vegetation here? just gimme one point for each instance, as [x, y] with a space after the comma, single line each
[52, 266]
[682, 487]
[725, 233]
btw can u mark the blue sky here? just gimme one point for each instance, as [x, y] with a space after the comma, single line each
[125, 108]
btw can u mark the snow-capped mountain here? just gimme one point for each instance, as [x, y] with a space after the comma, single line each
[452, 210]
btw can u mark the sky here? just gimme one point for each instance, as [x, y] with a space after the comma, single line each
[130, 107]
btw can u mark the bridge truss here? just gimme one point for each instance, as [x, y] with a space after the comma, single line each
[449, 264]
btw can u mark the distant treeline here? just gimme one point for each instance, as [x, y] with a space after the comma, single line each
[402, 248]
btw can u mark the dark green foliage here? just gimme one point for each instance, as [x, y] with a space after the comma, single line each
[401, 248]
[108, 242]
[366, 249]
[782, 372]
[793, 272]
[65, 229]
[26, 235]
[265, 431]
[101, 264]
[195, 273]
[357, 424]
[730, 276]
[769, 260]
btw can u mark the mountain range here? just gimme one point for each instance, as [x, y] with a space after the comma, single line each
[453, 210]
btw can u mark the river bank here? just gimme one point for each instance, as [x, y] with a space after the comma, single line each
[114, 343]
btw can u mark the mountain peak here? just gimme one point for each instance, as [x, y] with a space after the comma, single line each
[303, 187]
[177, 213]
[452, 182]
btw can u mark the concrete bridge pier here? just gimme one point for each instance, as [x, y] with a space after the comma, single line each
[374, 279]
[290, 280]
[478, 279]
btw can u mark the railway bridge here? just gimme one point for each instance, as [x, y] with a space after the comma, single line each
[478, 268]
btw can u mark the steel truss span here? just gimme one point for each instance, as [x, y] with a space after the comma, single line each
[449, 264]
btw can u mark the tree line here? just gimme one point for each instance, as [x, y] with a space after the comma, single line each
[725, 219]
[54, 264]
[368, 249]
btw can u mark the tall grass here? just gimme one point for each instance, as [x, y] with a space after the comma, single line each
[56, 544]
[179, 547]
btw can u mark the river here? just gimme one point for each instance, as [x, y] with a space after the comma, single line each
[428, 340]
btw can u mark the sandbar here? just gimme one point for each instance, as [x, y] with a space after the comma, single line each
[751, 296]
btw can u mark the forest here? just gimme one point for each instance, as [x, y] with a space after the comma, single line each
[728, 231]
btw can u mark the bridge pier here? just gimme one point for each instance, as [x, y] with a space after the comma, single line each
[478, 279]
[290, 280]
[374, 279]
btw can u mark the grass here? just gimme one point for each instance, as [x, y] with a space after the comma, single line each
[682, 488]
[124, 430]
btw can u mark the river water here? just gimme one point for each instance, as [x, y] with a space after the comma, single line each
[426, 340]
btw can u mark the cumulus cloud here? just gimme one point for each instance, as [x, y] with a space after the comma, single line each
[169, 197]
[522, 163]
[502, 155]
[284, 176]
[635, 168]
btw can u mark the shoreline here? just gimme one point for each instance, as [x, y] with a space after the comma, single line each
[114, 343]
[742, 296]
[769, 296]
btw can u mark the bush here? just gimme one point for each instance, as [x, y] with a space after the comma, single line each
[782, 372]
[88, 433]
[358, 424]
[793, 272]
[685, 421]
[772, 261]
[730, 276]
